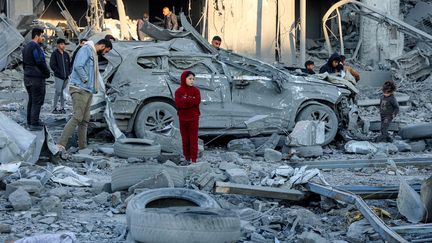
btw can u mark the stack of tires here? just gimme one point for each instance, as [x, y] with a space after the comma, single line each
[179, 215]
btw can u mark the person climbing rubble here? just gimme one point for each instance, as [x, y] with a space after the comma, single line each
[60, 64]
[309, 67]
[83, 84]
[389, 108]
[35, 72]
[188, 99]
[333, 65]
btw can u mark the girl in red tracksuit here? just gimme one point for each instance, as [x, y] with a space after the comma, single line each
[187, 99]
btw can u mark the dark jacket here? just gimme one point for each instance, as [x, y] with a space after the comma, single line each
[389, 106]
[60, 64]
[34, 63]
[170, 22]
[308, 71]
[328, 66]
[187, 99]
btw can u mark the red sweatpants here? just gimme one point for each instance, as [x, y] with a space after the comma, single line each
[189, 133]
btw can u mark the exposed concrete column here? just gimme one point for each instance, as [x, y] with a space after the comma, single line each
[286, 14]
[302, 31]
[123, 21]
[16, 8]
[380, 42]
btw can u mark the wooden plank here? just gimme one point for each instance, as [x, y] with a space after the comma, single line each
[259, 191]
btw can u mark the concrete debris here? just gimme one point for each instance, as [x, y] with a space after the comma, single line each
[66, 176]
[226, 166]
[160, 180]
[409, 203]
[33, 186]
[360, 147]
[242, 146]
[402, 146]
[230, 157]
[359, 230]
[238, 176]
[271, 155]
[426, 197]
[417, 146]
[285, 171]
[307, 151]
[51, 205]
[412, 66]
[311, 237]
[11, 40]
[8, 168]
[20, 200]
[307, 133]
[386, 148]
[67, 237]
[5, 228]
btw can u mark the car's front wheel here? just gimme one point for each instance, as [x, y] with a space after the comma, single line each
[158, 117]
[321, 113]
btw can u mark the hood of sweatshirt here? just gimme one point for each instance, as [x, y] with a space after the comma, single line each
[183, 78]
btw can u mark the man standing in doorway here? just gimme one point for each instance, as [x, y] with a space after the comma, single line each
[216, 42]
[170, 20]
[61, 65]
[84, 82]
[35, 72]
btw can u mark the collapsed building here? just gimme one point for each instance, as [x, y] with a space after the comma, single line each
[288, 186]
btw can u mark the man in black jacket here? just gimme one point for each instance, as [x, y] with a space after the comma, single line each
[61, 65]
[333, 65]
[35, 73]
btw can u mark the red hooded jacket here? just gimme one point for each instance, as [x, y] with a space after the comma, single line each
[187, 99]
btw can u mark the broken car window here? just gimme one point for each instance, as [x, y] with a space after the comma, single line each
[179, 65]
[149, 62]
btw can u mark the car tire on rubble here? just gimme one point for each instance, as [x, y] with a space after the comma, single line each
[416, 131]
[321, 113]
[136, 148]
[124, 177]
[180, 215]
[155, 117]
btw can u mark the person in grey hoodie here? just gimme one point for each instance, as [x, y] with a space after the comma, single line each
[84, 82]
[60, 64]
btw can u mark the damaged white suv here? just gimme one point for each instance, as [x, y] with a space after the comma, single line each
[142, 77]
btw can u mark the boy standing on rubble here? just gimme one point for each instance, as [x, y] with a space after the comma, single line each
[188, 99]
[389, 108]
[61, 65]
[84, 82]
[35, 72]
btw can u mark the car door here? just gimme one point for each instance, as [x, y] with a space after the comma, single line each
[213, 85]
[254, 94]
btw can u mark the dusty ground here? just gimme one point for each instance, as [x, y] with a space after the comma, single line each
[93, 221]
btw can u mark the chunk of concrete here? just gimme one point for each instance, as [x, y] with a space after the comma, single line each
[307, 133]
[409, 203]
[20, 200]
[5, 228]
[360, 147]
[160, 180]
[230, 157]
[226, 165]
[271, 155]
[61, 192]
[305, 217]
[285, 171]
[402, 146]
[307, 151]
[237, 176]
[418, 146]
[102, 199]
[387, 148]
[33, 186]
[51, 204]
[310, 237]
[244, 145]
[426, 197]
[357, 231]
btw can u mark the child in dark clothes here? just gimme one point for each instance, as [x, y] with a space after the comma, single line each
[188, 99]
[389, 108]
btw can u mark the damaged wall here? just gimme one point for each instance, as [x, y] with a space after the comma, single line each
[237, 21]
[380, 42]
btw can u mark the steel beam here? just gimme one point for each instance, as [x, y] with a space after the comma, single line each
[379, 226]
